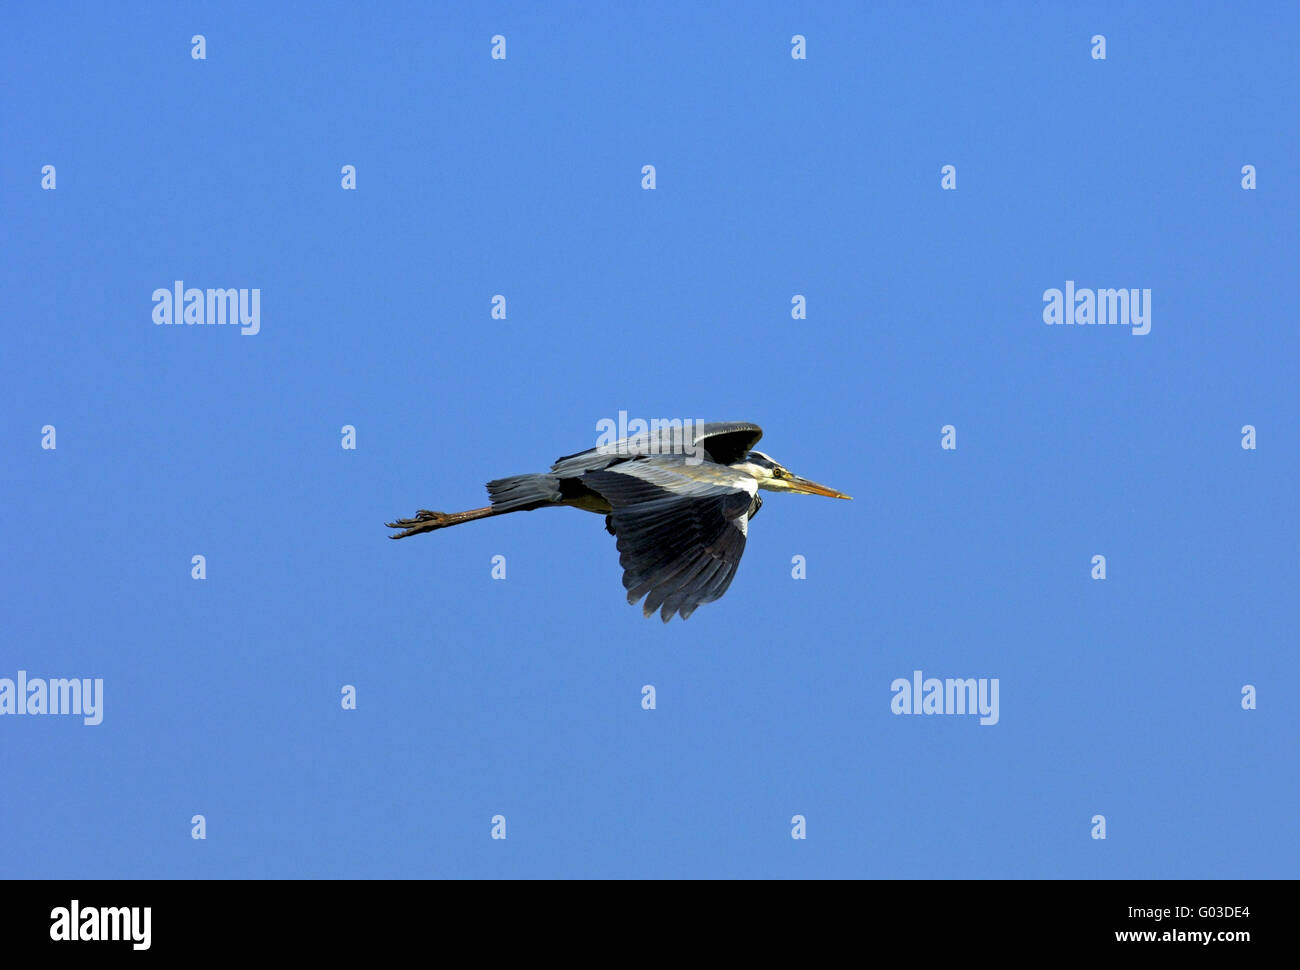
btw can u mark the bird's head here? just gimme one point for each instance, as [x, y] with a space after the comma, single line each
[775, 477]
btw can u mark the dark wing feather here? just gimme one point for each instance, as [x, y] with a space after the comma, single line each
[681, 529]
[730, 442]
[724, 442]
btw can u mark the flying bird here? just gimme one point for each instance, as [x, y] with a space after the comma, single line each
[678, 500]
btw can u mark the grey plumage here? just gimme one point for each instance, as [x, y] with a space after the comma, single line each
[678, 500]
[723, 442]
[717, 442]
[521, 493]
[681, 529]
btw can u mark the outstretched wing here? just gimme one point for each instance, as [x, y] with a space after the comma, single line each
[681, 528]
[723, 442]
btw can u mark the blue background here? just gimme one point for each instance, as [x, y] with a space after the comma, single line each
[775, 177]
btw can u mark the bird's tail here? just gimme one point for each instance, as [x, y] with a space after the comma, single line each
[522, 493]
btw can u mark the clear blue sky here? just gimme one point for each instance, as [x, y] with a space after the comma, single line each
[775, 177]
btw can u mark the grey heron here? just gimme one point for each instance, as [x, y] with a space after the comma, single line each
[678, 500]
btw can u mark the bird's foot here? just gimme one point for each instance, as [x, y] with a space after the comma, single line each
[424, 521]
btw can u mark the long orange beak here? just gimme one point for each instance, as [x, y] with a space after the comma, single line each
[812, 488]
